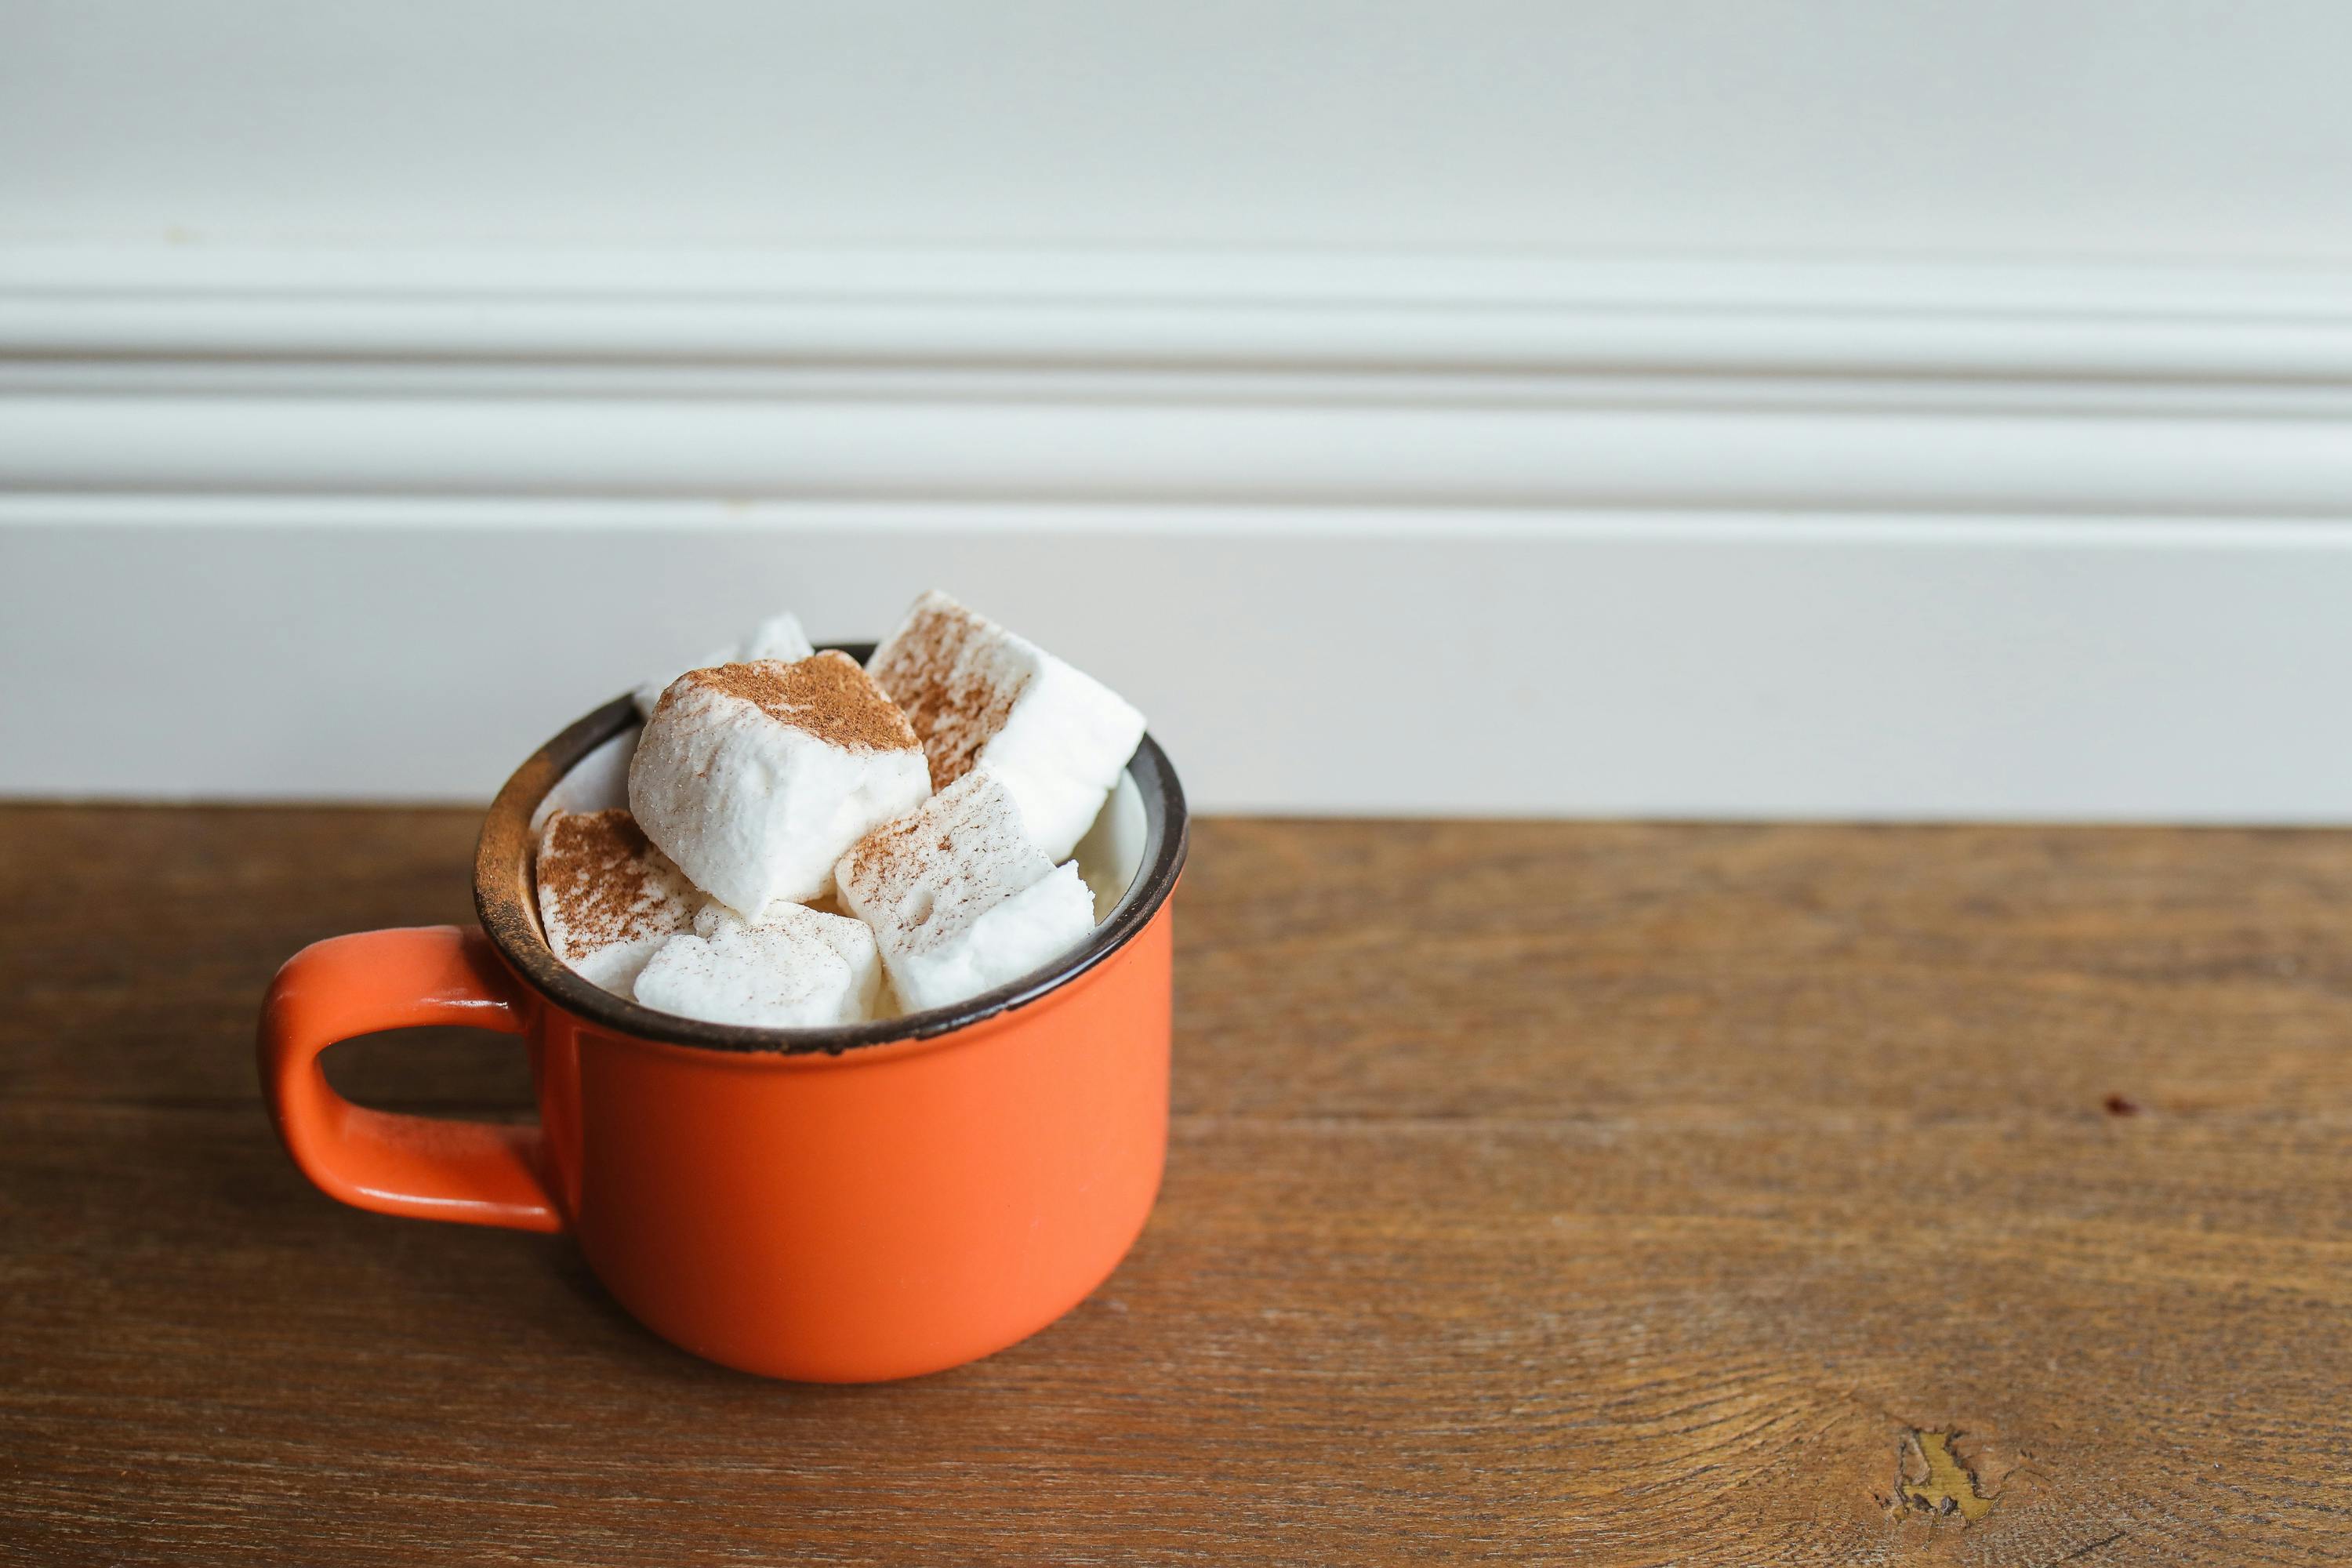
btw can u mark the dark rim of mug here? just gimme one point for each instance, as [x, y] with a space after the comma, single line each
[506, 901]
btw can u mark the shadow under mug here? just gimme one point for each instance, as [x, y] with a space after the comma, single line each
[837, 1205]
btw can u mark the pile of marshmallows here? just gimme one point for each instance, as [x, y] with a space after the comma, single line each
[927, 798]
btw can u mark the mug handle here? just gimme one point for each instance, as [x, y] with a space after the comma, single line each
[475, 1172]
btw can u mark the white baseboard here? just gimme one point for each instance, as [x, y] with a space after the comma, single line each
[1404, 535]
[1610, 665]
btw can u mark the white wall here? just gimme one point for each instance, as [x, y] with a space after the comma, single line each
[2108, 128]
[1762, 408]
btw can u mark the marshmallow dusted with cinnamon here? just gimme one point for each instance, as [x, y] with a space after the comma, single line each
[959, 897]
[778, 636]
[985, 699]
[755, 778]
[607, 898]
[793, 968]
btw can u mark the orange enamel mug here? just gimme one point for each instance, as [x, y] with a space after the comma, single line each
[836, 1205]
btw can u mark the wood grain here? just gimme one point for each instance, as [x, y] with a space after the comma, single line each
[1538, 1193]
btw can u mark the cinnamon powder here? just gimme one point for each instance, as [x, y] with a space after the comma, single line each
[827, 695]
[956, 696]
[596, 867]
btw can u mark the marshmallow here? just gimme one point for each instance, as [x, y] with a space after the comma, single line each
[778, 636]
[756, 777]
[959, 899]
[607, 899]
[982, 698]
[793, 968]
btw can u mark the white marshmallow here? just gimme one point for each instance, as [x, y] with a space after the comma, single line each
[790, 969]
[983, 698]
[778, 636]
[959, 899]
[608, 898]
[756, 777]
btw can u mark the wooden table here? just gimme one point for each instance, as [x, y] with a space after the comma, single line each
[1538, 1193]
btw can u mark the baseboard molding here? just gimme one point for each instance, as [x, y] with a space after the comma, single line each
[1404, 534]
[1645, 665]
[1179, 381]
[1256, 311]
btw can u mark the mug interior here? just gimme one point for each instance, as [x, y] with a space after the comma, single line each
[1129, 859]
